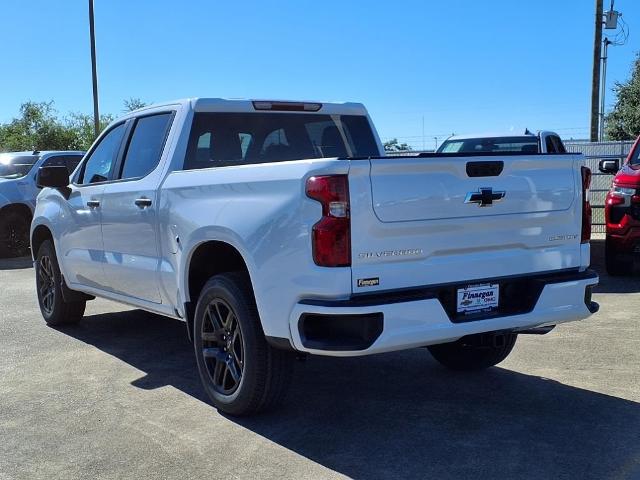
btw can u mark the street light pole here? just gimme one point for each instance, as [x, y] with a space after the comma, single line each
[94, 73]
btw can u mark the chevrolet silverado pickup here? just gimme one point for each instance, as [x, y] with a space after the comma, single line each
[276, 229]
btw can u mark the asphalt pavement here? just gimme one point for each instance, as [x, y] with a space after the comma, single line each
[118, 396]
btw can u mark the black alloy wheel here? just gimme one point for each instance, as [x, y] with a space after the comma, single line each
[46, 284]
[222, 346]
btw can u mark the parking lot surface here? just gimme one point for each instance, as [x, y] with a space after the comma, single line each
[118, 396]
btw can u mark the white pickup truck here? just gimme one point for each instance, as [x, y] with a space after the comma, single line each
[280, 228]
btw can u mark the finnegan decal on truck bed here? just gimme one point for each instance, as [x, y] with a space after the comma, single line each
[368, 282]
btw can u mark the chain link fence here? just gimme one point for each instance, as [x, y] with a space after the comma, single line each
[600, 183]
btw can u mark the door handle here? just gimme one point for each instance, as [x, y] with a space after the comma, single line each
[93, 203]
[143, 202]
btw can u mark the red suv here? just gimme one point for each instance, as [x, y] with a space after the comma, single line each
[622, 213]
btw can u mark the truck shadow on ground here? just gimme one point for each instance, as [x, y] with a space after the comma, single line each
[400, 415]
[18, 263]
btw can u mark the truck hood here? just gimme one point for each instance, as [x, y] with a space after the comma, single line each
[629, 175]
[9, 192]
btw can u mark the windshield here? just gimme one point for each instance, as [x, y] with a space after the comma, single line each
[634, 156]
[16, 166]
[526, 144]
[219, 139]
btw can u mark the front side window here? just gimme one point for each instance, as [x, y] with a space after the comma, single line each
[16, 166]
[145, 147]
[98, 166]
[221, 139]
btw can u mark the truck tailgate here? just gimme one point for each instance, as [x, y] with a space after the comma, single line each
[423, 221]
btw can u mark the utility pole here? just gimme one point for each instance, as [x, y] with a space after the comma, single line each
[595, 82]
[606, 43]
[94, 73]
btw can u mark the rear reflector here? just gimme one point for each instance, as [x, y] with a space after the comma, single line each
[286, 106]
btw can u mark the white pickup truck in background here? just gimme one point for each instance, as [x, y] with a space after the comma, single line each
[528, 142]
[279, 227]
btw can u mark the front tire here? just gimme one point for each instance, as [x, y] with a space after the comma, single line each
[474, 352]
[55, 310]
[14, 235]
[241, 373]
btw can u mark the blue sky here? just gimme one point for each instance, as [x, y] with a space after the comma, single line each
[463, 66]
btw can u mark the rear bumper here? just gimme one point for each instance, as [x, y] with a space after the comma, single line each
[401, 320]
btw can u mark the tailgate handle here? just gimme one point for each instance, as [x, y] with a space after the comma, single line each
[484, 169]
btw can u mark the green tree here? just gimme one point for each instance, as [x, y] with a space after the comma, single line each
[82, 126]
[623, 122]
[133, 103]
[394, 146]
[36, 128]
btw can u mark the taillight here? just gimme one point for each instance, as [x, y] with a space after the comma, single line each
[331, 236]
[586, 205]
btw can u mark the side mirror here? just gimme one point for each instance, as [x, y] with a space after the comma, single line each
[609, 166]
[54, 177]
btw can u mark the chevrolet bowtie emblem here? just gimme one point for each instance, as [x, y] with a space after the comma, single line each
[485, 197]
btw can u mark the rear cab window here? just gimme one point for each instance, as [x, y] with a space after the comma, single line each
[225, 139]
[524, 144]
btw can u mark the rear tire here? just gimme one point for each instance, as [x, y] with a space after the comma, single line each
[241, 373]
[615, 263]
[14, 235]
[55, 310]
[474, 352]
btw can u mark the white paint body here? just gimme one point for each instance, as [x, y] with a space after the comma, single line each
[132, 256]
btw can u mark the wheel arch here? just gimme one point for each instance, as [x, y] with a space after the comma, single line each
[209, 258]
[39, 235]
[21, 208]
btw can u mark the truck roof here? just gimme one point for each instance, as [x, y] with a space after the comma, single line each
[26, 153]
[512, 133]
[243, 105]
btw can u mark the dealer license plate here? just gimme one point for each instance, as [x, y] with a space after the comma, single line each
[476, 298]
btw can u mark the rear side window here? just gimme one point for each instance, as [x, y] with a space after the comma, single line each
[551, 146]
[146, 144]
[559, 145]
[222, 139]
[98, 166]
